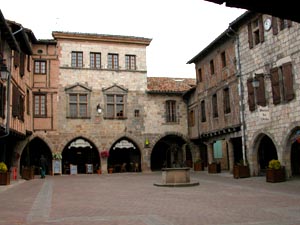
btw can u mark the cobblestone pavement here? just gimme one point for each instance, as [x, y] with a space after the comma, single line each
[132, 199]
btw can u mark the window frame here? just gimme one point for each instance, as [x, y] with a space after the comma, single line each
[40, 67]
[203, 111]
[95, 60]
[130, 62]
[77, 59]
[113, 61]
[42, 105]
[214, 101]
[226, 100]
[114, 105]
[171, 111]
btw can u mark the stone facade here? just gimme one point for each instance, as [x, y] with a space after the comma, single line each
[276, 49]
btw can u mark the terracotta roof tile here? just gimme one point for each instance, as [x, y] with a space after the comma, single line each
[167, 84]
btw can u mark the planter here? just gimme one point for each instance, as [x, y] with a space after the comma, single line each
[4, 178]
[214, 168]
[241, 171]
[110, 170]
[28, 173]
[99, 171]
[198, 166]
[275, 176]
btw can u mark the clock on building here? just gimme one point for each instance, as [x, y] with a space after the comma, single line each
[267, 24]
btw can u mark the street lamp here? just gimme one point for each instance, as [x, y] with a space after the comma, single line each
[5, 75]
[255, 82]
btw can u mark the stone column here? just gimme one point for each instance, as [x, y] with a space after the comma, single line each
[210, 152]
[230, 155]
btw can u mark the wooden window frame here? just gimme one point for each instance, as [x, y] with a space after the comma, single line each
[215, 112]
[212, 67]
[95, 60]
[116, 114]
[130, 62]
[113, 61]
[78, 103]
[171, 112]
[40, 67]
[203, 111]
[226, 100]
[199, 75]
[223, 59]
[77, 59]
[40, 105]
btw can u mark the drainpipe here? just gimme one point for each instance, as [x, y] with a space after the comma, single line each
[241, 93]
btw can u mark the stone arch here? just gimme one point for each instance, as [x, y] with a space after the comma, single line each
[125, 155]
[291, 150]
[33, 148]
[171, 149]
[264, 148]
[81, 152]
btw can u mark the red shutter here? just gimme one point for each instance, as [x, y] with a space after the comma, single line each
[251, 97]
[260, 91]
[288, 81]
[250, 37]
[275, 85]
[261, 29]
[274, 25]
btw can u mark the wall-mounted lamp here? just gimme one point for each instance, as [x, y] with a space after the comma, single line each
[4, 71]
[99, 109]
[255, 82]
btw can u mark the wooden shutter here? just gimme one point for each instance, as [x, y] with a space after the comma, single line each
[251, 97]
[275, 85]
[288, 81]
[250, 37]
[22, 64]
[16, 58]
[260, 91]
[15, 102]
[274, 25]
[2, 100]
[261, 29]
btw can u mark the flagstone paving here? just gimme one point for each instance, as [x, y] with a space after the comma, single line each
[132, 198]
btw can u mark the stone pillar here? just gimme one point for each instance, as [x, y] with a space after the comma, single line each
[230, 155]
[210, 152]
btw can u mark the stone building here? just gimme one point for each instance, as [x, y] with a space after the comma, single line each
[90, 101]
[214, 107]
[269, 59]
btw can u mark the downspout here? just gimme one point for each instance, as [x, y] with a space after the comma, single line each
[241, 93]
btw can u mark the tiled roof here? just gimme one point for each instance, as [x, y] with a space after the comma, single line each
[169, 85]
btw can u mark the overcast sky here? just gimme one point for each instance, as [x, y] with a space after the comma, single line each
[179, 29]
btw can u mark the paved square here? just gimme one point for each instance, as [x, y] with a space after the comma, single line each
[132, 198]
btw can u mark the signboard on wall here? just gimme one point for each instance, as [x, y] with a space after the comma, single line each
[73, 169]
[264, 113]
[56, 166]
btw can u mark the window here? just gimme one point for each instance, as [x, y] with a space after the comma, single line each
[255, 32]
[215, 105]
[171, 111]
[199, 75]
[203, 113]
[17, 103]
[223, 59]
[136, 113]
[113, 61]
[2, 100]
[40, 67]
[115, 106]
[226, 96]
[130, 62]
[77, 59]
[282, 83]
[256, 96]
[40, 105]
[78, 105]
[28, 102]
[280, 24]
[95, 60]
[212, 67]
[191, 118]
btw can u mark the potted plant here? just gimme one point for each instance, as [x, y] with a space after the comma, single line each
[198, 165]
[4, 174]
[275, 172]
[241, 170]
[214, 167]
[104, 154]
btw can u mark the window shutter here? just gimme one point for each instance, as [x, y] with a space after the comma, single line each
[261, 95]
[22, 64]
[261, 30]
[288, 81]
[274, 25]
[2, 100]
[16, 58]
[275, 85]
[251, 100]
[15, 102]
[250, 37]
